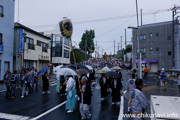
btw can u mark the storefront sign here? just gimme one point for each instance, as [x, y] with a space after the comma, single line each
[20, 41]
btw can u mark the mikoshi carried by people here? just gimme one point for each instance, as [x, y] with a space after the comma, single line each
[70, 89]
[139, 102]
[85, 100]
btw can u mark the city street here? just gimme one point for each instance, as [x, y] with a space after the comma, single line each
[52, 106]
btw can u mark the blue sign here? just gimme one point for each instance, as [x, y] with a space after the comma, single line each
[1, 48]
[20, 41]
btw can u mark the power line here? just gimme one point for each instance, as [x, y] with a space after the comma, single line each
[107, 19]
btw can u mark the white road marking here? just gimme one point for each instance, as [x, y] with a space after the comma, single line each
[45, 113]
[13, 117]
[121, 107]
[53, 84]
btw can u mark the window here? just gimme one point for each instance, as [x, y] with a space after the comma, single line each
[157, 49]
[67, 41]
[169, 37]
[1, 11]
[143, 50]
[57, 49]
[38, 43]
[157, 34]
[30, 42]
[44, 47]
[142, 37]
[66, 54]
[28, 64]
[169, 53]
[1, 39]
[6, 66]
[150, 35]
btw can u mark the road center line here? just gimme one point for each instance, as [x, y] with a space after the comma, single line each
[121, 107]
[13, 117]
[45, 113]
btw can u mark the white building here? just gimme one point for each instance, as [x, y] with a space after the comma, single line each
[61, 48]
[35, 53]
[6, 36]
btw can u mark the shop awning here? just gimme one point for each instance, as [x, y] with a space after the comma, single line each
[143, 61]
[153, 61]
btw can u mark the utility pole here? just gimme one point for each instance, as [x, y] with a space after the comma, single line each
[174, 26]
[141, 18]
[125, 44]
[114, 48]
[138, 33]
[86, 46]
[18, 12]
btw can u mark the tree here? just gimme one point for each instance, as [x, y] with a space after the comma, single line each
[128, 49]
[89, 35]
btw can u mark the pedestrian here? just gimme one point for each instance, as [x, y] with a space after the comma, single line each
[78, 85]
[35, 80]
[58, 83]
[139, 102]
[28, 73]
[179, 82]
[163, 79]
[14, 80]
[104, 86]
[45, 80]
[146, 71]
[32, 78]
[7, 80]
[130, 85]
[85, 99]
[24, 81]
[129, 73]
[62, 86]
[116, 87]
[70, 89]
[136, 75]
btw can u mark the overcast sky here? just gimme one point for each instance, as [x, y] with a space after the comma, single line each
[44, 15]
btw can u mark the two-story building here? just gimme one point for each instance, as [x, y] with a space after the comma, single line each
[31, 48]
[6, 36]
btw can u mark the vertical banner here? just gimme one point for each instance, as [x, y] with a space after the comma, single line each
[20, 41]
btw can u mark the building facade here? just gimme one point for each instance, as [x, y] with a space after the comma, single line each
[61, 48]
[156, 45]
[6, 35]
[31, 49]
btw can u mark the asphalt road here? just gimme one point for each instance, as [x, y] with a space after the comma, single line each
[52, 107]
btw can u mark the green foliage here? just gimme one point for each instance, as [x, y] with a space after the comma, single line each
[128, 49]
[79, 56]
[89, 35]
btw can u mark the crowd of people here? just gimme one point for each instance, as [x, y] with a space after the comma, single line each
[27, 81]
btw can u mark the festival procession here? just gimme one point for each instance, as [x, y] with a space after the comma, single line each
[47, 74]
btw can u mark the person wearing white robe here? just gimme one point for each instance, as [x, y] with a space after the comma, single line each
[70, 90]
